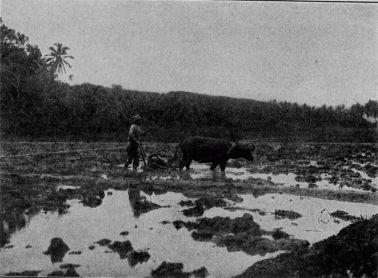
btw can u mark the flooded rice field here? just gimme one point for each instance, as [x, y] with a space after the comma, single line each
[81, 227]
[203, 172]
[84, 215]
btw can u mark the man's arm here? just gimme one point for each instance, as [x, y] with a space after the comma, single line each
[132, 136]
[147, 131]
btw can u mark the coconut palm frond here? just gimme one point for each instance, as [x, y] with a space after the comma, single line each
[49, 60]
[66, 63]
[53, 50]
[57, 58]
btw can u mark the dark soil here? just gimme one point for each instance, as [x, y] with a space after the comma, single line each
[344, 216]
[103, 242]
[173, 270]
[281, 214]
[28, 183]
[57, 250]
[240, 234]
[203, 204]
[24, 273]
[187, 203]
[122, 248]
[56, 273]
[136, 257]
[28, 186]
[278, 234]
[67, 266]
[353, 249]
[74, 253]
[71, 272]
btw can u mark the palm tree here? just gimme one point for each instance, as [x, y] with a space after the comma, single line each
[57, 59]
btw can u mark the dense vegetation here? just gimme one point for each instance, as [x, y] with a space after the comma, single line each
[36, 105]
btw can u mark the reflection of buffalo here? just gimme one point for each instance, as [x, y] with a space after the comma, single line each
[216, 151]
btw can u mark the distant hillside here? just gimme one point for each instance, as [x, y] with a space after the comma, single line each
[36, 105]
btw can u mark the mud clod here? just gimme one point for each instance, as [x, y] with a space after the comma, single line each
[278, 234]
[202, 236]
[354, 249]
[57, 250]
[24, 273]
[71, 272]
[103, 242]
[92, 199]
[201, 272]
[136, 257]
[344, 216]
[122, 248]
[240, 234]
[203, 204]
[56, 273]
[171, 270]
[193, 212]
[179, 224]
[74, 253]
[124, 233]
[187, 203]
[281, 214]
[67, 266]
[225, 225]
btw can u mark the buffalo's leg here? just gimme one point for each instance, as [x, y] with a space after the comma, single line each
[187, 163]
[223, 165]
[181, 164]
[213, 166]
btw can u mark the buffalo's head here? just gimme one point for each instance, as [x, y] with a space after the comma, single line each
[243, 151]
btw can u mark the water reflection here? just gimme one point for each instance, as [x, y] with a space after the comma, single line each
[12, 221]
[139, 204]
[82, 226]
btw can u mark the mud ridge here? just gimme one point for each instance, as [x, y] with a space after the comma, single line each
[353, 252]
[240, 234]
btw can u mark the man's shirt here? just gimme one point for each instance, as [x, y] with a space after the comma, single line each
[135, 132]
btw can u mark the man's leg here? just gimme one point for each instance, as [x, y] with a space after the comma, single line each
[129, 155]
[135, 158]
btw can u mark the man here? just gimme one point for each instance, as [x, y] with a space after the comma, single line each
[134, 140]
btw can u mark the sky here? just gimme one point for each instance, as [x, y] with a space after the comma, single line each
[313, 53]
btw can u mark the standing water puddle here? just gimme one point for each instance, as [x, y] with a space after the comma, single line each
[202, 171]
[81, 226]
[63, 187]
[315, 224]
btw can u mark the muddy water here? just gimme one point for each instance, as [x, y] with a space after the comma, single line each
[315, 224]
[63, 186]
[365, 176]
[82, 226]
[202, 171]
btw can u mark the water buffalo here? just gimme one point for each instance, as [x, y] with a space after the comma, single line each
[216, 151]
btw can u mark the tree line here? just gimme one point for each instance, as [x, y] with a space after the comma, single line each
[35, 104]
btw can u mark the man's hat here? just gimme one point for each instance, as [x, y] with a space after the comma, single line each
[136, 118]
